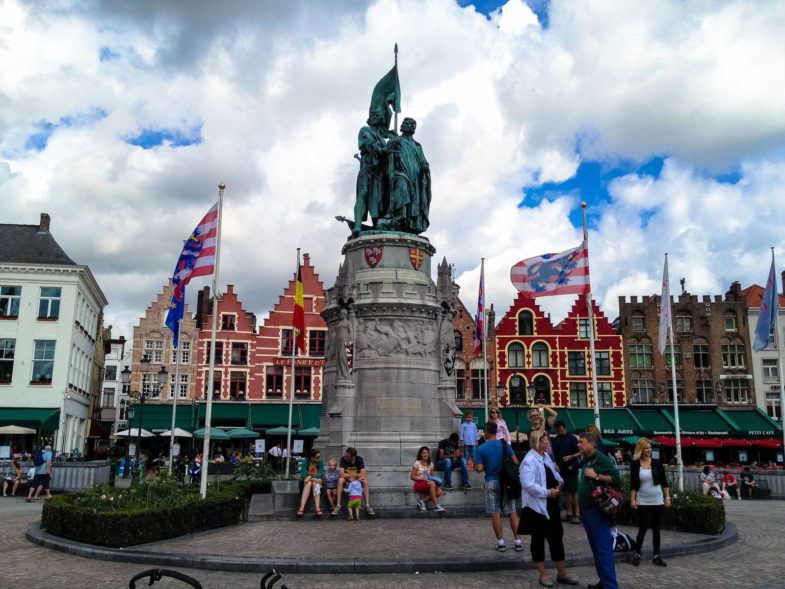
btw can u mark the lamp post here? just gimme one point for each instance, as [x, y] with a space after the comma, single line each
[142, 396]
[125, 377]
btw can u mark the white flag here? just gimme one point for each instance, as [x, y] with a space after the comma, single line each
[665, 308]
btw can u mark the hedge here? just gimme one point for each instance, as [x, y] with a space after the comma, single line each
[61, 516]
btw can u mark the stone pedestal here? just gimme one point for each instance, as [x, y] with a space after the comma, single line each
[397, 392]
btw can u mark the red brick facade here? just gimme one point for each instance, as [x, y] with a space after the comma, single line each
[468, 367]
[556, 359]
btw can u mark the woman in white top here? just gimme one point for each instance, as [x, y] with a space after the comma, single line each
[540, 516]
[423, 476]
[502, 433]
[649, 494]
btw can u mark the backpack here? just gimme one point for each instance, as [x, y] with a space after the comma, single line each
[38, 460]
[509, 479]
[621, 541]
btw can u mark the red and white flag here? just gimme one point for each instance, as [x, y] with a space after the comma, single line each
[554, 274]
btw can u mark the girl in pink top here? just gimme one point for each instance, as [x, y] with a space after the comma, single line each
[502, 433]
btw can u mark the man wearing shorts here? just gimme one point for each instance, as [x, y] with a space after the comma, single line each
[566, 455]
[43, 475]
[352, 464]
[488, 459]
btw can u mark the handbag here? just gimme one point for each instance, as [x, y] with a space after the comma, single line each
[607, 497]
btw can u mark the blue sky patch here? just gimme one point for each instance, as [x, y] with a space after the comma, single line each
[37, 141]
[486, 7]
[149, 138]
[44, 129]
[106, 54]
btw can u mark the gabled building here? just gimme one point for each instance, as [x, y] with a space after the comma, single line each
[50, 310]
[469, 368]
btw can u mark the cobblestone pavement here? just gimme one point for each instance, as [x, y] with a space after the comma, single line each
[755, 561]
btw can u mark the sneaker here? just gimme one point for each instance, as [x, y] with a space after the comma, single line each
[501, 548]
[421, 505]
[518, 547]
[438, 509]
[448, 485]
[466, 485]
[336, 511]
[658, 561]
[369, 510]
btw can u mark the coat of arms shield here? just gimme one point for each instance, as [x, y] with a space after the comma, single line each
[373, 255]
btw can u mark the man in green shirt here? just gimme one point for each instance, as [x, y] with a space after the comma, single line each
[597, 468]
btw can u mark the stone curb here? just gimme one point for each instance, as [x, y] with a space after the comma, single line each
[510, 561]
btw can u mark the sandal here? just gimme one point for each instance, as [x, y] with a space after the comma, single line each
[318, 512]
[299, 513]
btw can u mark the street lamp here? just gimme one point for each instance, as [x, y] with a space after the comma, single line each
[125, 378]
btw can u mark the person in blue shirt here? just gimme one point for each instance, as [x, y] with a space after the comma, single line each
[488, 459]
[469, 437]
[43, 475]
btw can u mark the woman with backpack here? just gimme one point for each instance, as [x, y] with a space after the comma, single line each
[649, 494]
[540, 515]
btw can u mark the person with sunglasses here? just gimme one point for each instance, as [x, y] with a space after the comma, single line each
[502, 432]
[311, 477]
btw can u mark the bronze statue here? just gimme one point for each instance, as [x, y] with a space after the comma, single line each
[410, 181]
[371, 180]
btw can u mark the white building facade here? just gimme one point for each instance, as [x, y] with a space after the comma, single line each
[49, 323]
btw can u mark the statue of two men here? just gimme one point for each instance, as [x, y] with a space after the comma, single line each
[394, 182]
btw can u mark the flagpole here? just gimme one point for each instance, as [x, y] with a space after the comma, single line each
[591, 329]
[175, 389]
[209, 410]
[484, 339]
[777, 340]
[669, 336]
[395, 125]
[291, 391]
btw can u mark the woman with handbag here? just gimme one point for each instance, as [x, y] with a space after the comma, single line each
[649, 494]
[425, 480]
[540, 514]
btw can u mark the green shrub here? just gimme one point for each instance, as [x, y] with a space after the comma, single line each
[154, 510]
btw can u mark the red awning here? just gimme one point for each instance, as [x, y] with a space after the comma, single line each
[769, 443]
[665, 441]
[736, 443]
[708, 443]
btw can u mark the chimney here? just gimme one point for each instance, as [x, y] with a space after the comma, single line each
[43, 227]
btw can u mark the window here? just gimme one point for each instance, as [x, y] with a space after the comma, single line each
[155, 351]
[733, 356]
[286, 342]
[110, 373]
[583, 329]
[182, 390]
[219, 353]
[640, 356]
[216, 384]
[576, 363]
[730, 322]
[227, 322]
[540, 355]
[736, 390]
[302, 381]
[43, 361]
[704, 391]
[316, 338]
[642, 390]
[638, 323]
[676, 355]
[147, 384]
[701, 358]
[239, 353]
[516, 355]
[578, 395]
[49, 304]
[602, 363]
[274, 382]
[458, 341]
[771, 372]
[478, 378]
[460, 380]
[679, 390]
[525, 323]
[605, 394]
[683, 323]
[773, 406]
[542, 390]
[237, 385]
[185, 352]
[7, 346]
[108, 398]
[9, 301]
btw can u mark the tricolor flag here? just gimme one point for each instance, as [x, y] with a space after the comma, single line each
[479, 320]
[767, 320]
[299, 314]
[665, 308]
[554, 274]
[196, 259]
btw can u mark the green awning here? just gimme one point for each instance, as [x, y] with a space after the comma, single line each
[653, 423]
[225, 414]
[158, 418]
[311, 414]
[632, 440]
[752, 423]
[613, 422]
[40, 419]
[265, 415]
[479, 416]
[699, 422]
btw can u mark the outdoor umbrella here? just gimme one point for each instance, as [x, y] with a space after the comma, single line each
[178, 433]
[215, 434]
[16, 429]
[242, 432]
[280, 431]
[133, 432]
[309, 431]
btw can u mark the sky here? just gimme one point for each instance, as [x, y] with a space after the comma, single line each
[666, 117]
